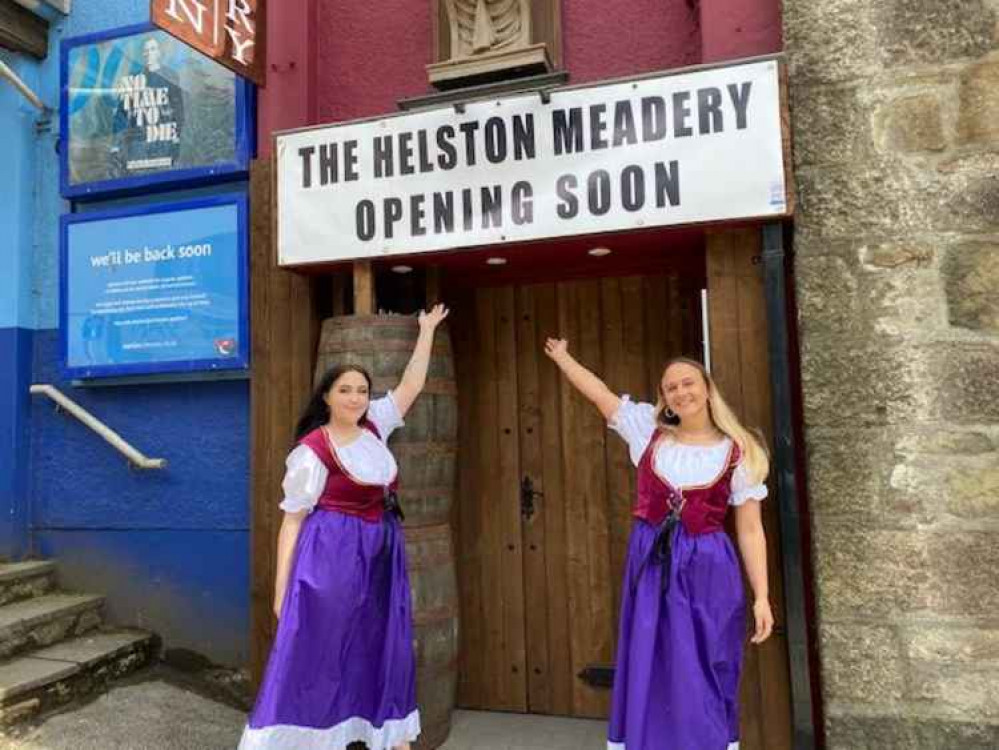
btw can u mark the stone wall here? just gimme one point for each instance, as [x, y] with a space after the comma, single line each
[895, 111]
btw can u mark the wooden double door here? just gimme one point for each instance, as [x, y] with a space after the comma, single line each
[542, 511]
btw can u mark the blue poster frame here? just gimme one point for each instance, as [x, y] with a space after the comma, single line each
[239, 361]
[244, 135]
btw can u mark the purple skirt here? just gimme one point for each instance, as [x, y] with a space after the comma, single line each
[342, 668]
[679, 654]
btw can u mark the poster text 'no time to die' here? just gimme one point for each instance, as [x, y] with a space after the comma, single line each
[574, 130]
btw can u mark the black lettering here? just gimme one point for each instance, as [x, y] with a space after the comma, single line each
[709, 113]
[406, 153]
[740, 100]
[667, 184]
[653, 118]
[569, 206]
[524, 145]
[495, 140]
[383, 156]
[416, 215]
[632, 187]
[597, 126]
[467, 212]
[393, 213]
[681, 112]
[492, 206]
[522, 200]
[448, 156]
[443, 212]
[468, 129]
[568, 134]
[624, 124]
[306, 153]
[424, 150]
[327, 163]
[365, 216]
[350, 161]
[598, 192]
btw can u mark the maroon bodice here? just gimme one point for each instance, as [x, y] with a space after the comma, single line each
[704, 506]
[344, 493]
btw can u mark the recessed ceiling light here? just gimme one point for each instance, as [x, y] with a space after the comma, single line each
[599, 252]
[496, 261]
[402, 269]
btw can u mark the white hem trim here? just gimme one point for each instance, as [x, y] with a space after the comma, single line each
[621, 746]
[355, 729]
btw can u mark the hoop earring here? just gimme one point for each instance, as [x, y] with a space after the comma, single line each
[669, 413]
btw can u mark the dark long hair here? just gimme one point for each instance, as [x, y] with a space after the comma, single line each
[317, 411]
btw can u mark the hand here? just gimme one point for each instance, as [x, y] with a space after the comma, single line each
[556, 348]
[278, 601]
[430, 320]
[764, 621]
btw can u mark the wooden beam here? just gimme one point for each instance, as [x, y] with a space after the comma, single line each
[23, 31]
[364, 288]
[433, 285]
[338, 285]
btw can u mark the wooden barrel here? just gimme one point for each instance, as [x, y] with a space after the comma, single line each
[434, 586]
[425, 449]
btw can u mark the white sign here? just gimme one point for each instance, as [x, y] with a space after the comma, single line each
[678, 149]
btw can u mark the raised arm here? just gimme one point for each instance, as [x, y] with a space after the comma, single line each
[415, 375]
[584, 381]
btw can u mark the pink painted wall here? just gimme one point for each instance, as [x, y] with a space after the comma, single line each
[335, 60]
[614, 38]
[739, 28]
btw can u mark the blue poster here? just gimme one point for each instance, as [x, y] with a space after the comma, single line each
[156, 289]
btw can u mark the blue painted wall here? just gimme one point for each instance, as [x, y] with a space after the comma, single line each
[17, 165]
[169, 549]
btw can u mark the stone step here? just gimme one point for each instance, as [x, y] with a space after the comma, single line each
[44, 620]
[24, 580]
[56, 675]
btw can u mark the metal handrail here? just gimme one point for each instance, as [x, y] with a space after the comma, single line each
[116, 440]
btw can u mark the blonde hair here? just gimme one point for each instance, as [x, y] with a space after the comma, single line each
[754, 455]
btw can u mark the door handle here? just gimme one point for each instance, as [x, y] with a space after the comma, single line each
[527, 495]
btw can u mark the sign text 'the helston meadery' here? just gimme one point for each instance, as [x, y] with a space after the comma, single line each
[697, 147]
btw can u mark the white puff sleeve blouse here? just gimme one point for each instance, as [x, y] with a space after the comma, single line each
[366, 458]
[682, 464]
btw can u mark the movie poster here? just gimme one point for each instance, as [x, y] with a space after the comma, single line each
[144, 105]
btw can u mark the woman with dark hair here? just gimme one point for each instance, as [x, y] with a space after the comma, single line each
[342, 668]
[680, 640]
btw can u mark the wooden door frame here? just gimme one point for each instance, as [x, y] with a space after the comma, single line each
[763, 246]
[284, 331]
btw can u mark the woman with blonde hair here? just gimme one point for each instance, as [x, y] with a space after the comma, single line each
[682, 625]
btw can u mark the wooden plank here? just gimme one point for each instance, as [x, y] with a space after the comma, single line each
[656, 308]
[577, 502]
[739, 353]
[790, 190]
[619, 467]
[591, 465]
[775, 699]
[506, 473]
[364, 288]
[496, 683]
[338, 291]
[433, 284]
[529, 352]
[471, 672]
[261, 558]
[553, 388]
[23, 31]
